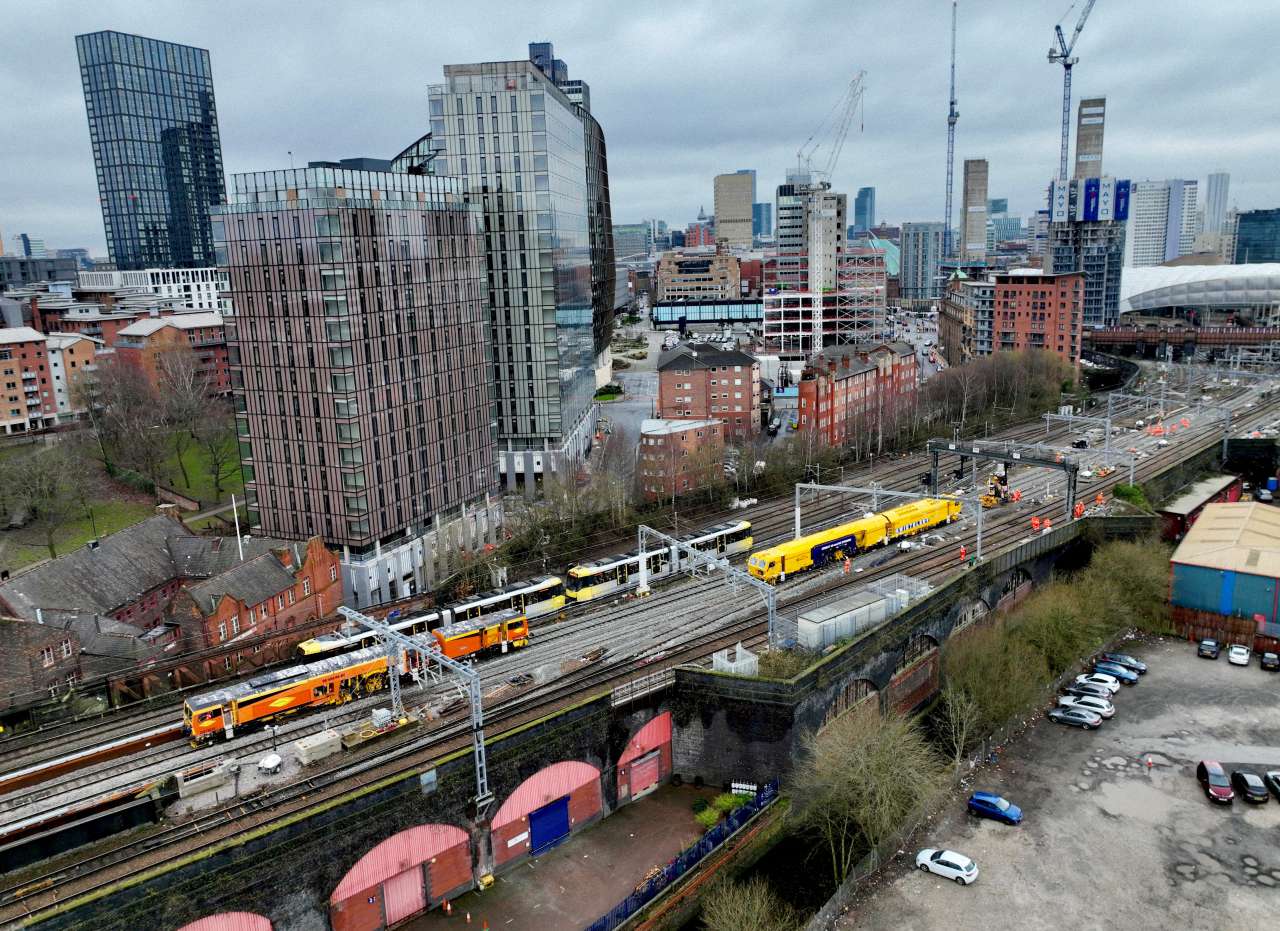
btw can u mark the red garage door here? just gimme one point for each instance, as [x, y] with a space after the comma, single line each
[646, 773]
[404, 895]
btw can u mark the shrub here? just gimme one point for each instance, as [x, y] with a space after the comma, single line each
[1134, 495]
[725, 802]
[699, 805]
[708, 818]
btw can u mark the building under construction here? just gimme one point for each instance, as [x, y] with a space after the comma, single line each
[819, 292]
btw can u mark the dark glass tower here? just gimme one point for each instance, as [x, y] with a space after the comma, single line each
[154, 129]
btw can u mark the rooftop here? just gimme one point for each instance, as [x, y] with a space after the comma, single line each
[703, 355]
[20, 334]
[1241, 537]
[1198, 494]
[658, 427]
[150, 325]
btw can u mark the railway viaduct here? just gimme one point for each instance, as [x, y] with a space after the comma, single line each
[342, 861]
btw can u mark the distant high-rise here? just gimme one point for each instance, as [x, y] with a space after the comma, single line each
[762, 219]
[1087, 220]
[1215, 201]
[922, 245]
[1257, 236]
[997, 206]
[973, 237]
[864, 209]
[153, 125]
[1162, 221]
[751, 172]
[631, 241]
[1090, 124]
[734, 196]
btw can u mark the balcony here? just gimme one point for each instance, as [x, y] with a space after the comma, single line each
[29, 376]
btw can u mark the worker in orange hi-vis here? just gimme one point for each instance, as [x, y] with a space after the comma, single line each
[1048, 525]
[1098, 499]
[848, 564]
[1035, 523]
[1078, 510]
[964, 554]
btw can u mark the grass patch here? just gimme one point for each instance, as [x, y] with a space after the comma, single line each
[1133, 494]
[22, 547]
[196, 461]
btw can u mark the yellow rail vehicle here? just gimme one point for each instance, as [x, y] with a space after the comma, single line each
[848, 539]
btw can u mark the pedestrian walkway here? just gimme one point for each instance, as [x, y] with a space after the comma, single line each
[577, 882]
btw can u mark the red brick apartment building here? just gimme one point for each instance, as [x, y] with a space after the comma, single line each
[679, 456]
[27, 398]
[702, 381]
[1038, 310]
[141, 342]
[844, 390]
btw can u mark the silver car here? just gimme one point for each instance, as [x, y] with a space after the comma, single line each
[1099, 706]
[1076, 717]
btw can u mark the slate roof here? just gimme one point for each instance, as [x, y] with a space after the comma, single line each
[252, 582]
[703, 355]
[101, 636]
[123, 566]
[204, 557]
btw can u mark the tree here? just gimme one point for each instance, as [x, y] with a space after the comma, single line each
[214, 431]
[184, 398]
[957, 721]
[747, 906]
[124, 411]
[863, 776]
[53, 484]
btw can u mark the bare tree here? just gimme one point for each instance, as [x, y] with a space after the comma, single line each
[863, 776]
[747, 906]
[53, 484]
[184, 397]
[214, 431]
[957, 720]
[125, 415]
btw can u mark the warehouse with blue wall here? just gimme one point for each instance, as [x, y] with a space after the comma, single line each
[1229, 564]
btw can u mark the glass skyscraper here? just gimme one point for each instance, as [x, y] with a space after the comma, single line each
[153, 125]
[1258, 236]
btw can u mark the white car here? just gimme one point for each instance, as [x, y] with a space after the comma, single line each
[1110, 683]
[1238, 655]
[1099, 706]
[947, 864]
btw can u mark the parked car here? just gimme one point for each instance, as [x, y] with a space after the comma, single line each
[1272, 779]
[1079, 444]
[1076, 717]
[1238, 654]
[1124, 659]
[1116, 671]
[1102, 679]
[1209, 648]
[1263, 496]
[995, 807]
[1099, 706]
[1249, 786]
[1213, 779]
[774, 426]
[1270, 662]
[1088, 688]
[947, 863]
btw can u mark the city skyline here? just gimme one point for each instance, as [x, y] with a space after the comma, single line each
[663, 163]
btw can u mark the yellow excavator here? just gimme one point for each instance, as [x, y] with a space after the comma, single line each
[997, 492]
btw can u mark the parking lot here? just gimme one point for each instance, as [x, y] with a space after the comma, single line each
[1108, 841]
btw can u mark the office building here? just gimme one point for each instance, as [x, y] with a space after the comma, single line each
[734, 195]
[699, 276]
[533, 157]
[864, 209]
[1162, 222]
[29, 247]
[361, 367]
[153, 125]
[1091, 121]
[17, 271]
[702, 380]
[1087, 221]
[922, 245]
[762, 220]
[1257, 236]
[1215, 202]
[997, 206]
[973, 232]
[632, 241]
[81, 257]
[192, 288]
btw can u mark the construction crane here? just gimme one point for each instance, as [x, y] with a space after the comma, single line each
[832, 132]
[952, 115]
[1062, 55]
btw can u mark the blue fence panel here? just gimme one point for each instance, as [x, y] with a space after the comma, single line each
[687, 859]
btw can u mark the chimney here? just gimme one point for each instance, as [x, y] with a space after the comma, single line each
[831, 365]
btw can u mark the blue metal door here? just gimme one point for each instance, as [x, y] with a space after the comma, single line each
[549, 825]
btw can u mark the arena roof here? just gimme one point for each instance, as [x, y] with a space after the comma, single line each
[1209, 286]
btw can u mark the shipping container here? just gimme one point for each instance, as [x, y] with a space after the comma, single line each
[847, 617]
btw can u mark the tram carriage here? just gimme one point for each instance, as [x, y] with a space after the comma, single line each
[848, 539]
[603, 577]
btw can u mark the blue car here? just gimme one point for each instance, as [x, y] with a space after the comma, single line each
[1123, 673]
[1123, 659]
[995, 807]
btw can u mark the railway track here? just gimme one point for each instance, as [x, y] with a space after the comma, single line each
[1004, 528]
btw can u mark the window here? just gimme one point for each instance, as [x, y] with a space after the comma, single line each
[222, 635]
[330, 252]
[290, 593]
[46, 656]
[333, 573]
[235, 623]
[306, 587]
[279, 602]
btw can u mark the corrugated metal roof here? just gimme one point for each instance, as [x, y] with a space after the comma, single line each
[1240, 537]
[230, 921]
[544, 786]
[396, 854]
[650, 737]
[1198, 494]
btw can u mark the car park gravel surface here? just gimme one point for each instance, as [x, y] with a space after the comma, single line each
[1117, 833]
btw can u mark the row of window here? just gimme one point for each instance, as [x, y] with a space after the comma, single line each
[49, 655]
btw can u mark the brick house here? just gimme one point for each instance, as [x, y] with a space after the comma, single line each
[679, 456]
[27, 400]
[37, 661]
[141, 342]
[845, 389]
[700, 381]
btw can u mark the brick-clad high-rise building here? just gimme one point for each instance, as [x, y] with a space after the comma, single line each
[1037, 310]
[361, 366]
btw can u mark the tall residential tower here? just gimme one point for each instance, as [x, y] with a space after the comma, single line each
[1091, 122]
[973, 225]
[153, 125]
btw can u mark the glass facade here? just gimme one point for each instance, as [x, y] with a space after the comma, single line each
[1258, 237]
[519, 147]
[153, 126]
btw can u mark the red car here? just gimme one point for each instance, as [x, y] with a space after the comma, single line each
[1214, 781]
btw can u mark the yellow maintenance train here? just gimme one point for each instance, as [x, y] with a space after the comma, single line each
[835, 543]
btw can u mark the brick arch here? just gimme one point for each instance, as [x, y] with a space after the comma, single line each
[646, 759]
[510, 828]
[857, 694]
[229, 921]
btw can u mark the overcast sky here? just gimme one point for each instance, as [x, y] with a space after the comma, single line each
[685, 90]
